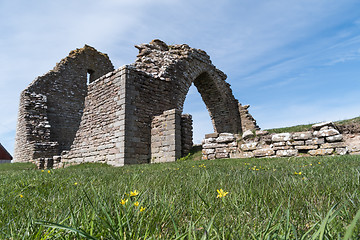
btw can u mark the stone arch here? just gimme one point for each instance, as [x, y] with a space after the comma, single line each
[180, 66]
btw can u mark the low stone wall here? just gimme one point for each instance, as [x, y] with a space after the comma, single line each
[323, 139]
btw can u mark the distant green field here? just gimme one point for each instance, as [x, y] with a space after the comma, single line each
[288, 198]
[307, 127]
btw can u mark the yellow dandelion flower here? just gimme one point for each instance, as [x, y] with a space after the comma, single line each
[21, 196]
[42, 171]
[142, 209]
[123, 201]
[75, 183]
[319, 162]
[299, 173]
[134, 193]
[221, 193]
[136, 204]
[310, 164]
[49, 171]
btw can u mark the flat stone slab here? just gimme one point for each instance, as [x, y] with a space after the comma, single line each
[302, 135]
[242, 155]
[264, 152]
[287, 153]
[321, 152]
[306, 147]
[326, 133]
[318, 126]
[211, 135]
[222, 155]
[225, 137]
[315, 141]
[295, 143]
[333, 145]
[335, 138]
[248, 146]
[247, 134]
[281, 137]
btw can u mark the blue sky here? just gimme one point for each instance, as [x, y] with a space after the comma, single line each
[293, 61]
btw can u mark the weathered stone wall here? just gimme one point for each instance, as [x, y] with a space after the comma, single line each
[247, 120]
[166, 137]
[186, 134]
[101, 136]
[33, 129]
[324, 139]
[65, 88]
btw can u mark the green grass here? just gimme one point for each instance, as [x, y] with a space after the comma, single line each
[265, 200]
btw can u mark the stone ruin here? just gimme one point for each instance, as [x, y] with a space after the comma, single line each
[323, 139]
[85, 111]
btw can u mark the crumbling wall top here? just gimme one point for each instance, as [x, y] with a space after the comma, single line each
[162, 60]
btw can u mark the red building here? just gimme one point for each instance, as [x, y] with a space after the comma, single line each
[4, 155]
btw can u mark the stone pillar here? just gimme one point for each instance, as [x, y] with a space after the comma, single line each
[186, 134]
[166, 137]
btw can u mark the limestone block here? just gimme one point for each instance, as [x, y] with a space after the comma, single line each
[315, 141]
[326, 133]
[281, 137]
[279, 144]
[249, 146]
[287, 153]
[222, 155]
[242, 155]
[208, 151]
[306, 147]
[264, 152]
[232, 144]
[210, 145]
[261, 132]
[295, 143]
[335, 138]
[318, 126]
[225, 137]
[211, 135]
[321, 152]
[221, 150]
[247, 134]
[302, 135]
[341, 151]
[333, 145]
[283, 148]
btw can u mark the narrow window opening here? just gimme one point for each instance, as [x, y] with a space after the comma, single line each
[89, 76]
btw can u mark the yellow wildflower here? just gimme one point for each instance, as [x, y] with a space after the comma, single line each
[134, 193]
[42, 171]
[21, 196]
[123, 201]
[142, 209]
[221, 193]
[136, 204]
[75, 183]
[49, 171]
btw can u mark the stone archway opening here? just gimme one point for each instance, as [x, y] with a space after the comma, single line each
[195, 106]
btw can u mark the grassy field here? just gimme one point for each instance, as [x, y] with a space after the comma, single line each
[288, 198]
